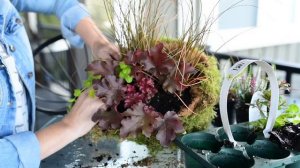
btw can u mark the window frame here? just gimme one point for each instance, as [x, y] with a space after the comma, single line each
[262, 35]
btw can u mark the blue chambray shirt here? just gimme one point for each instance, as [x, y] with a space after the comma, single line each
[23, 150]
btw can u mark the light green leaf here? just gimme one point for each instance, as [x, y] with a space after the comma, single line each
[259, 124]
[92, 93]
[89, 81]
[123, 65]
[279, 122]
[97, 77]
[77, 92]
[295, 122]
[293, 108]
[122, 75]
[127, 71]
[71, 100]
[69, 107]
[128, 79]
[87, 84]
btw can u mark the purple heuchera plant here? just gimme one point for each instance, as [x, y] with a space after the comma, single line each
[129, 108]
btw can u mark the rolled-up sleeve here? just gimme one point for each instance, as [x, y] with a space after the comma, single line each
[20, 151]
[70, 12]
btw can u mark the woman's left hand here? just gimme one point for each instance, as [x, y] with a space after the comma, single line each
[105, 51]
[101, 47]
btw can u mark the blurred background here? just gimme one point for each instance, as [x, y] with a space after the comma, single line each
[262, 29]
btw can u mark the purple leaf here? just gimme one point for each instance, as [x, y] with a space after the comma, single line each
[160, 60]
[150, 120]
[102, 67]
[135, 57]
[139, 119]
[147, 87]
[171, 83]
[139, 58]
[110, 119]
[176, 78]
[141, 91]
[168, 127]
[185, 69]
[132, 96]
[109, 88]
[132, 99]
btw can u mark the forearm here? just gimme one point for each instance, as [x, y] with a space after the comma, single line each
[75, 124]
[55, 137]
[90, 33]
[57, 7]
[102, 49]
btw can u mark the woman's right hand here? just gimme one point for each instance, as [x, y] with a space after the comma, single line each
[80, 118]
[75, 124]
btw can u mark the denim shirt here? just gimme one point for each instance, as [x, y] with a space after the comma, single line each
[22, 150]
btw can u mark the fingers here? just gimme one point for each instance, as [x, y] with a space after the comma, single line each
[102, 108]
[115, 56]
[108, 55]
[115, 53]
[106, 52]
[92, 102]
[97, 115]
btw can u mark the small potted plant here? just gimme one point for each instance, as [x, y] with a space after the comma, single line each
[244, 88]
[240, 95]
[286, 128]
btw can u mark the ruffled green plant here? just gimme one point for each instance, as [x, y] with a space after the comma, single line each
[87, 85]
[289, 112]
[125, 72]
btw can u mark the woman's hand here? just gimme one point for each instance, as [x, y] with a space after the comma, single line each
[105, 51]
[102, 49]
[79, 120]
[74, 125]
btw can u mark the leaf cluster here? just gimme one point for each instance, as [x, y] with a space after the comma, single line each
[247, 83]
[155, 62]
[128, 102]
[290, 115]
[125, 72]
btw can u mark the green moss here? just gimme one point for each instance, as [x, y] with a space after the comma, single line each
[210, 86]
[96, 134]
[199, 121]
[152, 144]
[209, 90]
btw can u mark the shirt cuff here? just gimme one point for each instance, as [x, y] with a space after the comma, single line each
[28, 148]
[69, 21]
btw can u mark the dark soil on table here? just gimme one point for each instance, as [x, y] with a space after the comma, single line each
[287, 137]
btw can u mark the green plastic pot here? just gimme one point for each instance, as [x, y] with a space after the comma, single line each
[202, 141]
[239, 133]
[294, 165]
[266, 149]
[199, 141]
[230, 158]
